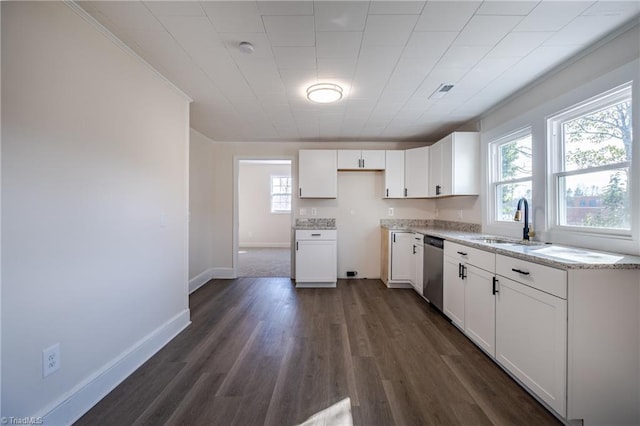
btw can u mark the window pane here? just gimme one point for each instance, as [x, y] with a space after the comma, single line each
[596, 200]
[507, 196]
[515, 159]
[281, 185]
[598, 138]
[280, 203]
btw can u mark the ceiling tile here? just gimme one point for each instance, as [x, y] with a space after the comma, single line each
[585, 29]
[482, 30]
[128, 16]
[463, 56]
[290, 30]
[396, 7]
[388, 30]
[518, 44]
[613, 8]
[260, 42]
[519, 8]
[285, 7]
[234, 17]
[175, 8]
[375, 59]
[552, 15]
[446, 16]
[337, 67]
[192, 32]
[295, 57]
[340, 16]
[338, 44]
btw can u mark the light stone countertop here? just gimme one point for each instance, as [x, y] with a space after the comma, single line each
[315, 223]
[556, 256]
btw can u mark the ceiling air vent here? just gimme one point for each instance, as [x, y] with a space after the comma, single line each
[442, 90]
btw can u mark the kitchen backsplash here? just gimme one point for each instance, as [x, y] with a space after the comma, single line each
[431, 223]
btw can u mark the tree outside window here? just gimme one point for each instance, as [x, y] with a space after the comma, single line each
[280, 194]
[593, 146]
[512, 173]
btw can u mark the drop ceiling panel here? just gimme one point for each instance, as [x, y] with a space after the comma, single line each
[285, 7]
[516, 8]
[396, 7]
[192, 32]
[384, 30]
[446, 16]
[463, 56]
[340, 15]
[290, 30]
[175, 8]
[295, 57]
[128, 16]
[485, 30]
[234, 17]
[260, 42]
[338, 44]
[339, 68]
[519, 44]
[585, 29]
[552, 15]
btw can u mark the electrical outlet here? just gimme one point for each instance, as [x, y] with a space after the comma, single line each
[390, 211]
[303, 212]
[50, 360]
[459, 214]
[314, 211]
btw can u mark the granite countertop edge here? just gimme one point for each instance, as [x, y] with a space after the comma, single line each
[627, 261]
[314, 227]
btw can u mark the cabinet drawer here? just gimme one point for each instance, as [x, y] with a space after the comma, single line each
[480, 258]
[316, 234]
[544, 278]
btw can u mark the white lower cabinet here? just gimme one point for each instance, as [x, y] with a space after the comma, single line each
[531, 340]
[401, 256]
[453, 290]
[480, 308]
[316, 258]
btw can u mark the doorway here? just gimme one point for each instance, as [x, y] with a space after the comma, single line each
[263, 218]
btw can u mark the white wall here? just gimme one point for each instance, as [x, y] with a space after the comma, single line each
[202, 203]
[607, 66]
[258, 226]
[363, 188]
[94, 211]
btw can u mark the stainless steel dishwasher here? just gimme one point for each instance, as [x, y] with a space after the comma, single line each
[433, 258]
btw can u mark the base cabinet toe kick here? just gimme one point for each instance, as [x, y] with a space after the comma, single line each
[571, 338]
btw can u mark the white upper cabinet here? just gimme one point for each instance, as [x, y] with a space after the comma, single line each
[416, 172]
[394, 174]
[352, 159]
[317, 173]
[454, 165]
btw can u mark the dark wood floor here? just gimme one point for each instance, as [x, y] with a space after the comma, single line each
[260, 351]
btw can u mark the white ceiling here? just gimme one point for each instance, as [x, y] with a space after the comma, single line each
[389, 56]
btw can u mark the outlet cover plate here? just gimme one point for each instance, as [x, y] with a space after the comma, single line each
[50, 360]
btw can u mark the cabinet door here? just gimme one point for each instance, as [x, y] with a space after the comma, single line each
[463, 154]
[316, 261]
[349, 159]
[480, 309]
[394, 174]
[419, 259]
[373, 159]
[401, 254]
[435, 169]
[453, 292]
[317, 173]
[416, 174]
[531, 340]
[446, 171]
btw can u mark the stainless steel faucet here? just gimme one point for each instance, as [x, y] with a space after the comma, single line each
[518, 216]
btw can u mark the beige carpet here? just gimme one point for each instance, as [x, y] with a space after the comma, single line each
[264, 262]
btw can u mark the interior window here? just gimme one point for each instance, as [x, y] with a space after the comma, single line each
[512, 173]
[591, 168]
[280, 194]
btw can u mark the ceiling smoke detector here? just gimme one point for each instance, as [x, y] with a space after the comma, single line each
[246, 47]
[442, 90]
[324, 93]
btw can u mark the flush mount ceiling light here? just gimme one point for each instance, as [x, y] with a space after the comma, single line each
[324, 93]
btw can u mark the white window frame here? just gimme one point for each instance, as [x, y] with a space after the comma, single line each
[494, 177]
[556, 164]
[272, 194]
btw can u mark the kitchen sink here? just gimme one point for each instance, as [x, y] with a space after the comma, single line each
[506, 241]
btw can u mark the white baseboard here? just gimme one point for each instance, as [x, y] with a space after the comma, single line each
[75, 403]
[265, 245]
[211, 273]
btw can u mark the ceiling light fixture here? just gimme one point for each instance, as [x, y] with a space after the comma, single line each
[324, 93]
[246, 47]
[442, 90]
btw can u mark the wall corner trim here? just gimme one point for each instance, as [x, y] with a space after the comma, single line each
[88, 393]
[122, 45]
[208, 275]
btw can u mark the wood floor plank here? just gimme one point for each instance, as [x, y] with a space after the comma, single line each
[261, 352]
